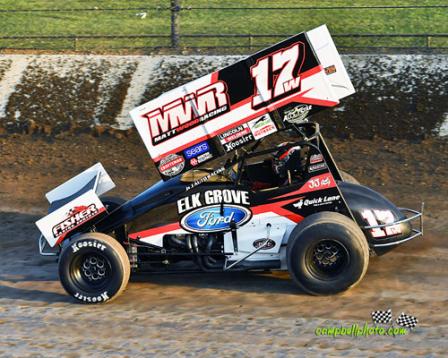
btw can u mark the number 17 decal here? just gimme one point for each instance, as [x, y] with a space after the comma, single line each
[277, 73]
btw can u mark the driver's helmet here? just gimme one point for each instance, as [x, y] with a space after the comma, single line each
[287, 159]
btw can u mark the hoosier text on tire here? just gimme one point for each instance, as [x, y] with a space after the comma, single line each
[94, 268]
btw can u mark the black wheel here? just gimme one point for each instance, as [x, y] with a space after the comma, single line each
[327, 253]
[94, 268]
[348, 178]
[111, 203]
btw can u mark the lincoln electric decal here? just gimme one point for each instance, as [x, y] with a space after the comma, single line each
[214, 210]
[239, 104]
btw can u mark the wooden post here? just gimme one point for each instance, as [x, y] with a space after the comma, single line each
[175, 9]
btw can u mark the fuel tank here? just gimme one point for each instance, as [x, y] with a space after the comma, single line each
[370, 210]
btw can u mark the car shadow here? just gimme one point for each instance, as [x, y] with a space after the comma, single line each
[256, 282]
[32, 295]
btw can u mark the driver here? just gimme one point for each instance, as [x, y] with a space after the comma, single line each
[287, 162]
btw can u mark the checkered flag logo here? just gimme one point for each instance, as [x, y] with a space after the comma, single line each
[407, 321]
[384, 317]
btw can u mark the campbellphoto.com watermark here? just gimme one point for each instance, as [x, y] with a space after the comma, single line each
[383, 325]
[356, 330]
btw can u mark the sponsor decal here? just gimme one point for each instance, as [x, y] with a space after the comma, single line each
[89, 243]
[75, 217]
[101, 298]
[262, 126]
[214, 210]
[171, 165]
[330, 70]
[211, 197]
[320, 201]
[215, 218]
[205, 178]
[187, 112]
[297, 114]
[270, 244]
[236, 137]
[379, 217]
[201, 158]
[196, 150]
[319, 183]
[316, 158]
[316, 167]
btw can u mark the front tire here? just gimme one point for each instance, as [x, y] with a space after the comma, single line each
[94, 268]
[327, 253]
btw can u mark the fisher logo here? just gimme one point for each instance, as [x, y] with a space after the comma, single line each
[197, 149]
[316, 158]
[297, 114]
[316, 167]
[215, 218]
[75, 217]
[262, 126]
[320, 201]
[171, 165]
[187, 112]
[236, 137]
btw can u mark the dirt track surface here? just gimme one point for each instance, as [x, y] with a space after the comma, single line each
[245, 314]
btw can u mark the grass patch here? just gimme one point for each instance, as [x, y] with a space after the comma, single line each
[153, 17]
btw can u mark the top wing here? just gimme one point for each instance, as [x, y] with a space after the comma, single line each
[241, 103]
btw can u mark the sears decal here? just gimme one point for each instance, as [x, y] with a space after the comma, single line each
[171, 165]
[75, 217]
[262, 126]
[297, 114]
[236, 137]
[214, 210]
[197, 149]
[187, 112]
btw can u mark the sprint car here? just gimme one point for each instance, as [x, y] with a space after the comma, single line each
[230, 198]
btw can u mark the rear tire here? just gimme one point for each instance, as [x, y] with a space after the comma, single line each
[327, 253]
[94, 268]
[348, 178]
